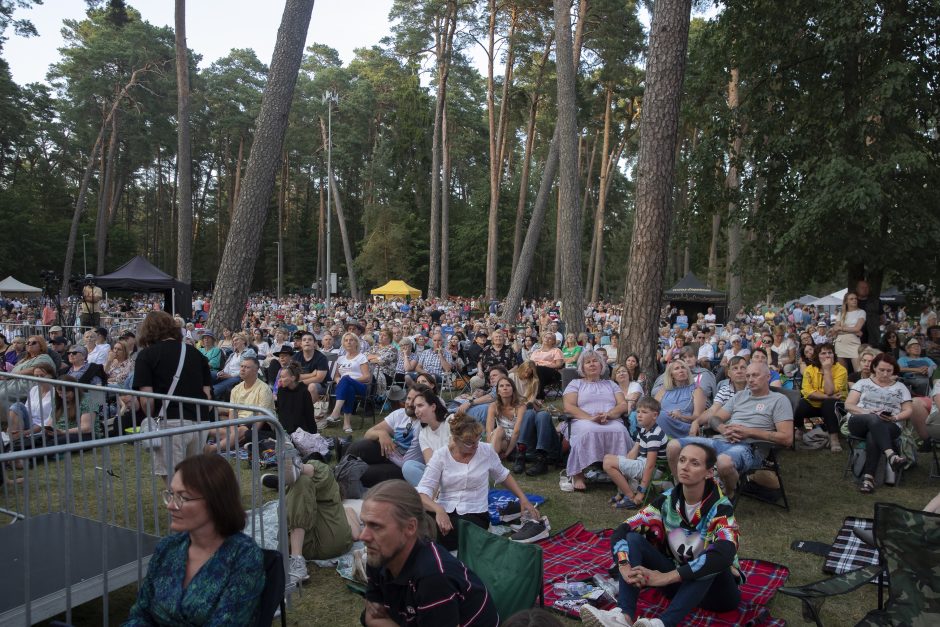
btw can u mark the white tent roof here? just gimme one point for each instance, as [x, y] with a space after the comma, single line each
[840, 294]
[827, 301]
[11, 285]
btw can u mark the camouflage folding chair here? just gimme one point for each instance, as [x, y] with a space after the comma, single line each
[909, 551]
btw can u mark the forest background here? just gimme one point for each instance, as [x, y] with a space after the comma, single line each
[807, 153]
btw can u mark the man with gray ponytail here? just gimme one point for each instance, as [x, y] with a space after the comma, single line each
[412, 580]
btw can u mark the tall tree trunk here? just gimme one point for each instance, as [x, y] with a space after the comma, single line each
[184, 190]
[735, 297]
[281, 210]
[445, 207]
[79, 208]
[241, 247]
[665, 69]
[556, 267]
[588, 185]
[445, 38]
[527, 157]
[341, 220]
[101, 225]
[712, 278]
[569, 215]
[523, 270]
[606, 165]
[497, 130]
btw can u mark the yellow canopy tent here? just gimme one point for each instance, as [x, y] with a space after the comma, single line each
[397, 288]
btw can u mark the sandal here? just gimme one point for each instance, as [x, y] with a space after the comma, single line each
[616, 498]
[625, 503]
[897, 462]
[868, 485]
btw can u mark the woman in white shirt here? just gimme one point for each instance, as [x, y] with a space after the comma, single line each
[27, 419]
[352, 376]
[434, 434]
[877, 408]
[460, 474]
[263, 347]
[848, 330]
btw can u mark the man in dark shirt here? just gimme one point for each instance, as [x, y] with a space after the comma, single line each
[313, 366]
[412, 580]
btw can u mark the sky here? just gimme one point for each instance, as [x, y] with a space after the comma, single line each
[213, 27]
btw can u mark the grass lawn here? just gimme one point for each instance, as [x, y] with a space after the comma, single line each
[820, 499]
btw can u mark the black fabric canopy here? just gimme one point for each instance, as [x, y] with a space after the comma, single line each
[690, 288]
[139, 275]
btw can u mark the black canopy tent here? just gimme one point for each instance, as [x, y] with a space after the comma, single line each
[694, 296]
[139, 275]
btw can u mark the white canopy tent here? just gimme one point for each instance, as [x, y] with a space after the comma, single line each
[10, 286]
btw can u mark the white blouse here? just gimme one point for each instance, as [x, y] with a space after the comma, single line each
[464, 488]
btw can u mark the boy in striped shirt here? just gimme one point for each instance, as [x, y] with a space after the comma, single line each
[633, 473]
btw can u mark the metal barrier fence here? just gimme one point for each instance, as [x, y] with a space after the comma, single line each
[85, 510]
[73, 333]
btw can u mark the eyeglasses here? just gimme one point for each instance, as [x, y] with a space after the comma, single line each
[32, 343]
[177, 501]
[468, 443]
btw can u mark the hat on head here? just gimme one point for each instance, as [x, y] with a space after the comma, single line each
[396, 393]
[55, 329]
[207, 333]
[58, 340]
[821, 323]
[910, 341]
[286, 349]
[78, 348]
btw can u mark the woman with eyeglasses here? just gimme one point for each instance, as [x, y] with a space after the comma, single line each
[206, 571]
[27, 419]
[460, 475]
[35, 354]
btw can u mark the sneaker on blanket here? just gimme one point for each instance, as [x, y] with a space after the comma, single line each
[532, 531]
[648, 622]
[269, 480]
[297, 569]
[595, 617]
[510, 511]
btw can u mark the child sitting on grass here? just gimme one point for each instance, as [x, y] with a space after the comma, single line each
[638, 468]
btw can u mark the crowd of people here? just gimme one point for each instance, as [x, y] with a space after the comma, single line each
[478, 397]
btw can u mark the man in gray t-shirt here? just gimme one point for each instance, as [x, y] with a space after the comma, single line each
[751, 421]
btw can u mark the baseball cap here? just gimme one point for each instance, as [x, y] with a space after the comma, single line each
[55, 329]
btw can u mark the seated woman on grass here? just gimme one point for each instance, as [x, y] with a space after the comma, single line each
[685, 543]
[504, 418]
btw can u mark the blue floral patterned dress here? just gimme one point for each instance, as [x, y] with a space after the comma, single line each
[225, 591]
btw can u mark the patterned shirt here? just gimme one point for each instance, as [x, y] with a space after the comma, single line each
[504, 357]
[652, 441]
[431, 361]
[225, 591]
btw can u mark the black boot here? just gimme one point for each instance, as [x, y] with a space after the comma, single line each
[540, 467]
[519, 466]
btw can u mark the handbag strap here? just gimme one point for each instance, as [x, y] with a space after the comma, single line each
[176, 377]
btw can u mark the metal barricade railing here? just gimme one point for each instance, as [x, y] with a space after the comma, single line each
[102, 492]
[73, 332]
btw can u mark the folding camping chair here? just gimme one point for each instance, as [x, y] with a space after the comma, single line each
[909, 550]
[512, 572]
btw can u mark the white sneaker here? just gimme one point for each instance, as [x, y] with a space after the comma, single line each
[297, 569]
[594, 617]
[648, 622]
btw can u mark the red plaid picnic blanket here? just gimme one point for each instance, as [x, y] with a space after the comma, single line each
[580, 554]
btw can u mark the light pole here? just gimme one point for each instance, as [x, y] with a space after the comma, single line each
[84, 257]
[280, 270]
[330, 98]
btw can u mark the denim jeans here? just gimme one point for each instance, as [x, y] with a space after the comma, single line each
[538, 431]
[413, 471]
[717, 593]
